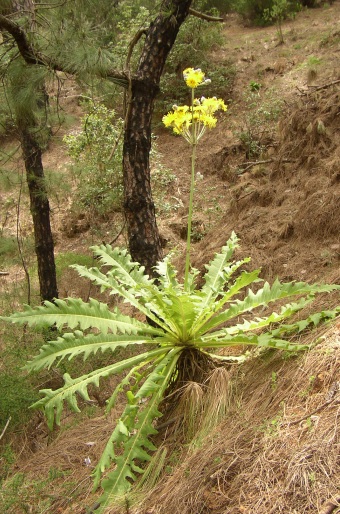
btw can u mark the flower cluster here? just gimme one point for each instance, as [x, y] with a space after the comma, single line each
[194, 78]
[191, 122]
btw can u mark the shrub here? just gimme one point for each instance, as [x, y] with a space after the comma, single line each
[222, 6]
[195, 39]
[97, 154]
[261, 111]
[260, 12]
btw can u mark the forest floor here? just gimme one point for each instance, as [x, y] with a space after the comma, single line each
[270, 171]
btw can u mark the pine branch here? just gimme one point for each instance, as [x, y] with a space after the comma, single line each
[25, 48]
[33, 57]
[204, 16]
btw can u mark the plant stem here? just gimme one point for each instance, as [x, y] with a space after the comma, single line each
[191, 197]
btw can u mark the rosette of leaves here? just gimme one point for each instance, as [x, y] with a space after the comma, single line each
[182, 319]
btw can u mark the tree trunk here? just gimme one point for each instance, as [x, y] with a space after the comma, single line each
[144, 240]
[32, 154]
[40, 211]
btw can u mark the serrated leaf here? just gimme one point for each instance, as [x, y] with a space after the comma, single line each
[124, 270]
[53, 401]
[265, 340]
[75, 313]
[215, 277]
[118, 481]
[167, 275]
[71, 345]
[130, 295]
[201, 324]
[264, 296]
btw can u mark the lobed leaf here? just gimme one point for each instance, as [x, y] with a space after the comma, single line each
[207, 313]
[264, 296]
[72, 344]
[75, 313]
[129, 273]
[130, 295]
[256, 323]
[266, 340]
[134, 439]
[215, 277]
[167, 275]
[53, 401]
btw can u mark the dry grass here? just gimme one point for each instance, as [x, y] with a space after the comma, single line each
[277, 448]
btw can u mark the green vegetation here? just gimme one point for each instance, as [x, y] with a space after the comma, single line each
[260, 12]
[195, 39]
[19, 492]
[97, 153]
[277, 13]
[65, 260]
[262, 109]
[190, 321]
[188, 324]
[8, 248]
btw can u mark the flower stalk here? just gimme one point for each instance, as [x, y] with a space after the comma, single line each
[191, 122]
[191, 205]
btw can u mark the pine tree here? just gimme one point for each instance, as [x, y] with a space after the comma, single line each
[81, 38]
[25, 87]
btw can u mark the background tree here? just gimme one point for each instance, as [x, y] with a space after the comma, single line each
[77, 40]
[24, 80]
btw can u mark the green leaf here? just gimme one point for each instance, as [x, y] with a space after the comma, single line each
[256, 323]
[124, 270]
[264, 296]
[110, 282]
[183, 313]
[53, 401]
[266, 340]
[75, 313]
[137, 444]
[217, 274]
[72, 344]
[201, 324]
[126, 381]
[167, 275]
[300, 325]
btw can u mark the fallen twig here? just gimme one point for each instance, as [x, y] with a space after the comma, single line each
[297, 421]
[119, 233]
[204, 16]
[255, 163]
[3, 273]
[325, 86]
[317, 88]
[5, 428]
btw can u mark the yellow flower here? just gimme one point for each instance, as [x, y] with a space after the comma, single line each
[179, 119]
[209, 121]
[193, 78]
[211, 105]
[168, 119]
[181, 109]
[191, 122]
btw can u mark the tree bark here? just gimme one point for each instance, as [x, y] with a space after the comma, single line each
[40, 211]
[144, 240]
